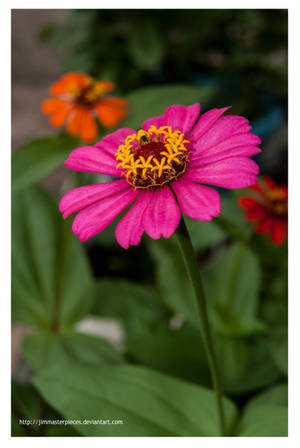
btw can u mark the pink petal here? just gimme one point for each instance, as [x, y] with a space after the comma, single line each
[234, 172]
[93, 160]
[239, 151]
[221, 130]
[111, 142]
[162, 215]
[237, 145]
[130, 229]
[206, 121]
[96, 217]
[181, 118]
[197, 201]
[82, 197]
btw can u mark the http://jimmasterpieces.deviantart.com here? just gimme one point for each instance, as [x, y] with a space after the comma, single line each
[41, 422]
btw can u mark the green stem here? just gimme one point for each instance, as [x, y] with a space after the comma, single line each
[190, 261]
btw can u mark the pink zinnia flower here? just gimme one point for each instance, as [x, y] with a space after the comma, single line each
[161, 167]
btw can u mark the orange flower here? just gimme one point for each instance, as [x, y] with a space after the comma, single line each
[268, 206]
[78, 99]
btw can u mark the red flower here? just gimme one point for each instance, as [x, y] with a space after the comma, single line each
[78, 99]
[268, 206]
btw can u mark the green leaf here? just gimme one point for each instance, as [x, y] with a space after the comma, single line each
[26, 401]
[231, 219]
[275, 312]
[245, 364]
[148, 403]
[59, 430]
[264, 421]
[16, 429]
[91, 350]
[231, 210]
[277, 395]
[260, 371]
[43, 349]
[232, 281]
[279, 347]
[232, 356]
[134, 304]
[178, 352]
[147, 338]
[237, 278]
[266, 415]
[172, 279]
[52, 283]
[146, 46]
[151, 101]
[204, 234]
[274, 307]
[28, 405]
[34, 160]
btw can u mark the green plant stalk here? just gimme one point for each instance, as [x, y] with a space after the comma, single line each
[190, 261]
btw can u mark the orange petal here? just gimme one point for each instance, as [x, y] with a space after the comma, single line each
[114, 101]
[59, 117]
[69, 79]
[107, 85]
[52, 105]
[109, 116]
[88, 131]
[74, 124]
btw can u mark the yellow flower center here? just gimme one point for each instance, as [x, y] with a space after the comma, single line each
[88, 94]
[152, 158]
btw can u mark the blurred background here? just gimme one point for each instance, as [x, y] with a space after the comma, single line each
[219, 58]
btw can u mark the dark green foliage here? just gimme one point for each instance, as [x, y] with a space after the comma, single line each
[82, 377]
[52, 285]
[146, 401]
[36, 159]
[137, 47]
[266, 414]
